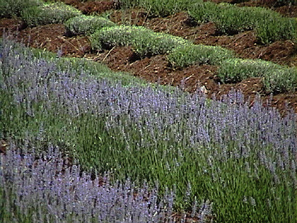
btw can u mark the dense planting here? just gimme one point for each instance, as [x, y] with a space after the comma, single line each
[241, 159]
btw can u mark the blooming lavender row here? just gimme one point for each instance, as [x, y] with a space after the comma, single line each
[161, 135]
[190, 119]
[50, 190]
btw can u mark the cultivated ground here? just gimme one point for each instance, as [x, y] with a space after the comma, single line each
[156, 68]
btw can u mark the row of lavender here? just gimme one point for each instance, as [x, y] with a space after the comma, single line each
[47, 190]
[242, 159]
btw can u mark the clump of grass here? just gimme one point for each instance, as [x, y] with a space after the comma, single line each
[189, 54]
[276, 78]
[87, 25]
[48, 13]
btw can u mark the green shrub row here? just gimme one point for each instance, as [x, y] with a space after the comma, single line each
[144, 41]
[276, 78]
[87, 25]
[189, 54]
[229, 19]
[48, 14]
[181, 53]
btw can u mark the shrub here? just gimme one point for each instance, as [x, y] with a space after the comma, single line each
[144, 41]
[156, 43]
[9, 8]
[280, 80]
[203, 12]
[48, 14]
[233, 19]
[276, 78]
[272, 28]
[83, 24]
[117, 36]
[189, 54]
[235, 70]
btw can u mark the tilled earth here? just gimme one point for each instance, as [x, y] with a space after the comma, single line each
[156, 68]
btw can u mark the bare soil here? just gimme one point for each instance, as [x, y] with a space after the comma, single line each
[156, 68]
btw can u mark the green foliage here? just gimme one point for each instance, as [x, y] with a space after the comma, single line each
[49, 14]
[117, 36]
[203, 12]
[273, 28]
[144, 41]
[189, 54]
[229, 19]
[236, 70]
[276, 78]
[165, 7]
[156, 43]
[281, 80]
[10, 8]
[233, 19]
[83, 24]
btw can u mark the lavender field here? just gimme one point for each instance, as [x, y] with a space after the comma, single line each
[90, 145]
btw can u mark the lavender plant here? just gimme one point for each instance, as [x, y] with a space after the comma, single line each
[144, 41]
[157, 43]
[83, 24]
[48, 189]
[276, 78]
[269, 25]
[202, 12]
[189, 54]
[117, 36]
[242, 159]
[48, 13]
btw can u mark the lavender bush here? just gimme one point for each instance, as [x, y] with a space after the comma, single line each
[189, 54]
[83, 24]
[48, 13]
[49, 190]
[276, 78]
[242, 159]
